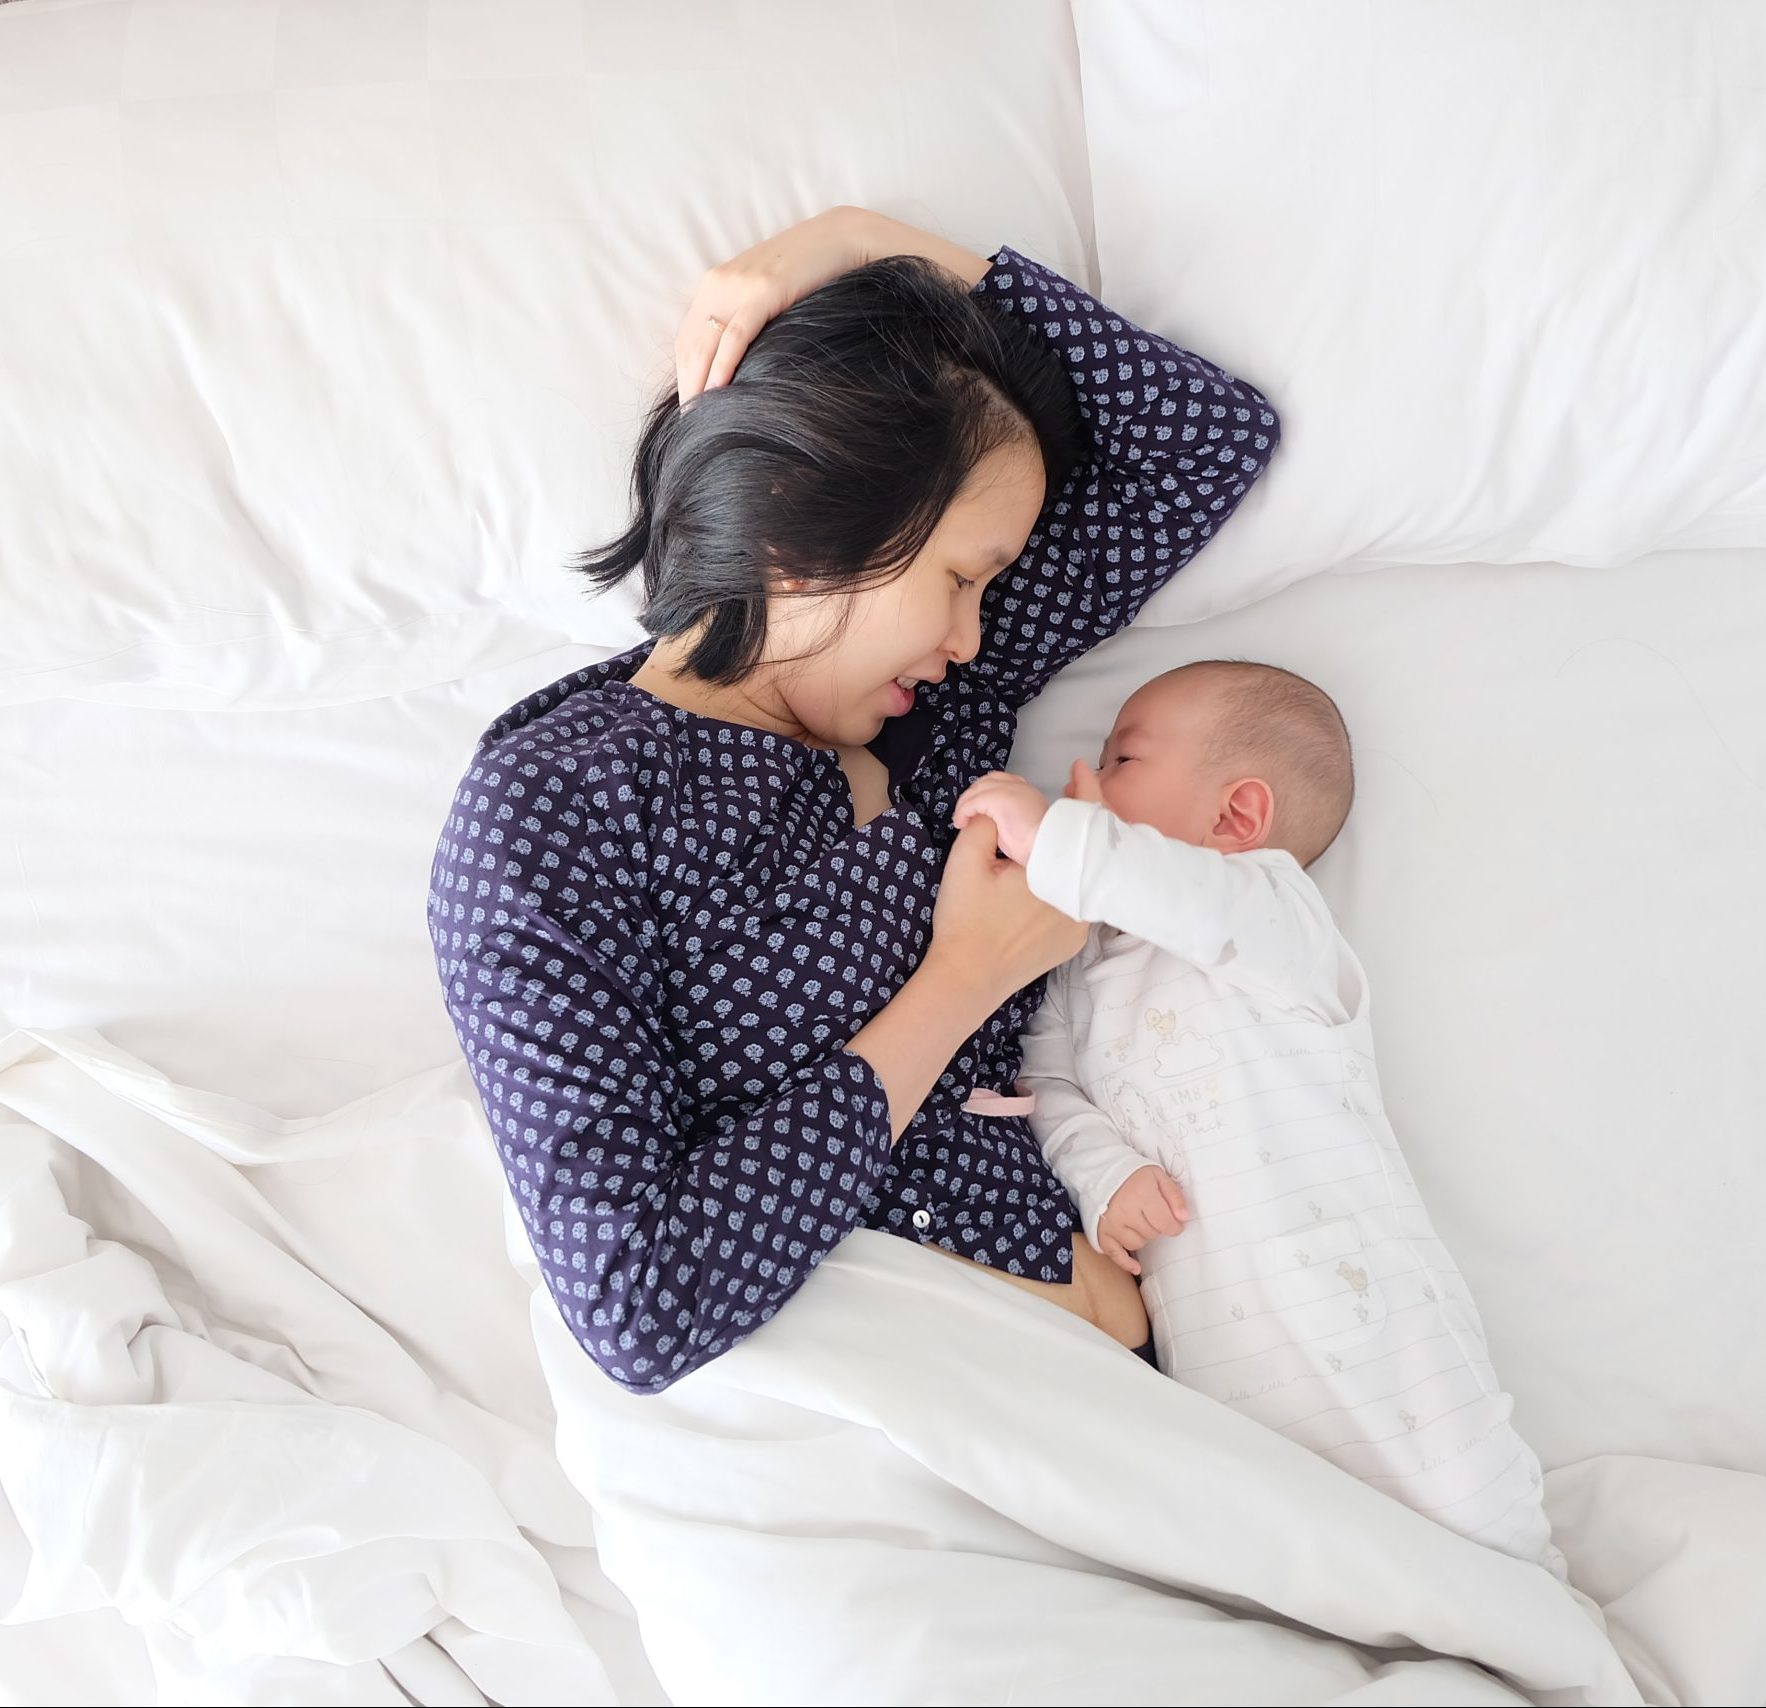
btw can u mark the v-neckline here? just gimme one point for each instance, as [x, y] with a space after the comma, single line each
[889, 800]
[890, 784]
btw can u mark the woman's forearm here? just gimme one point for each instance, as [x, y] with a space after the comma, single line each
[876, 235]
[911, 1041]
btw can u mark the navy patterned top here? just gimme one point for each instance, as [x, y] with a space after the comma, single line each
[657, 930]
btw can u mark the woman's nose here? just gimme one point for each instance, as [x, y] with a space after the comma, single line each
[964, 640]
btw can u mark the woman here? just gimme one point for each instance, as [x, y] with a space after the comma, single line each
[729, 985]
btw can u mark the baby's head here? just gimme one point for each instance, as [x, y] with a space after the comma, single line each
[1231, 756]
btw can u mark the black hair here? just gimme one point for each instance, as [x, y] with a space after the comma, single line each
[852, 421]
[1273, 717]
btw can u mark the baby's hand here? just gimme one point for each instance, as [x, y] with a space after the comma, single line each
[1015, 806]
[1082, 783]
[1148, 1204]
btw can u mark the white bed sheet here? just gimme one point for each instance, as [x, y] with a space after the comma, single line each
[1556, 947]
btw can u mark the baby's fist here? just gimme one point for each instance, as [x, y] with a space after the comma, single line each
[1016, 807]
[1146, 1206]
[1082, 783]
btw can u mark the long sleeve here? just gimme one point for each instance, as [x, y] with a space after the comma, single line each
[1081, 1142]
[1175, 444]
[663, 1245]
[1255, 920]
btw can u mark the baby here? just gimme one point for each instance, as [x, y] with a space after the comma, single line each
[1205, 1087]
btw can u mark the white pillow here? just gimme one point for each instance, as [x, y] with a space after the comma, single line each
[1499, 266]
[329, 324]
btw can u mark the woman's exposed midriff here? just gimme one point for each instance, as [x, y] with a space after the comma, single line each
[1107, 1297]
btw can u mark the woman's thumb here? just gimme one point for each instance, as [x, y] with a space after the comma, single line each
[978, 840]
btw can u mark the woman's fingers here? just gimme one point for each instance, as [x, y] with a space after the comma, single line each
[695, 344]
[978, 840]
[699, 350]
[737, 298]
[732, 345]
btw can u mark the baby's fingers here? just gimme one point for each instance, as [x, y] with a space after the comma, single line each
[1134, 1227]
[1112, 1249]
[1082, 783]
[978, 797]
[1175, 1202]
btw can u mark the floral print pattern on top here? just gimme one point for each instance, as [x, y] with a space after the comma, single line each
[656, 931]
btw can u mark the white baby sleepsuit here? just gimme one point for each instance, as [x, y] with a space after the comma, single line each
[1216, 1023]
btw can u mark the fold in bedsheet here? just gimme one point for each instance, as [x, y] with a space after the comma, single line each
[307, 1465]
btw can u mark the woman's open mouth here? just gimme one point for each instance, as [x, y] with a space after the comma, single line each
[901, 695]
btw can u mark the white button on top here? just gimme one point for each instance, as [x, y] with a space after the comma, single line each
[922, 1219]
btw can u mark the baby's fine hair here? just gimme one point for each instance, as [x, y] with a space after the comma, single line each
[1290, 728]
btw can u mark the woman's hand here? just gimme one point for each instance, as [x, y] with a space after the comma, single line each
[987, 921]
[746, 291]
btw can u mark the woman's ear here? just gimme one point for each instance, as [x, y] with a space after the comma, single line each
[777, 578]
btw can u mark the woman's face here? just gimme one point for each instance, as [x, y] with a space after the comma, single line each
[926, 619]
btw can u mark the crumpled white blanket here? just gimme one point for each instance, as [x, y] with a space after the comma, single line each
[267, 1392]
[269, 1389]
[916, 1484]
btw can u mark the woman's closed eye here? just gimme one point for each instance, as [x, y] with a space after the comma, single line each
[963, 581]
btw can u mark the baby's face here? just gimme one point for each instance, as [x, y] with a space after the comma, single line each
[1149, 770]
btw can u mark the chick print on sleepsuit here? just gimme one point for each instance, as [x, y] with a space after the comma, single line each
[1308, 1289]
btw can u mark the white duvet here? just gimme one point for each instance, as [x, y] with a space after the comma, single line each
[318, 1468]
[964, 1494]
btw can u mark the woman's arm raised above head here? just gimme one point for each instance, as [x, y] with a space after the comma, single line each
[875, 236]
[1176, 443]
[736, 298]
